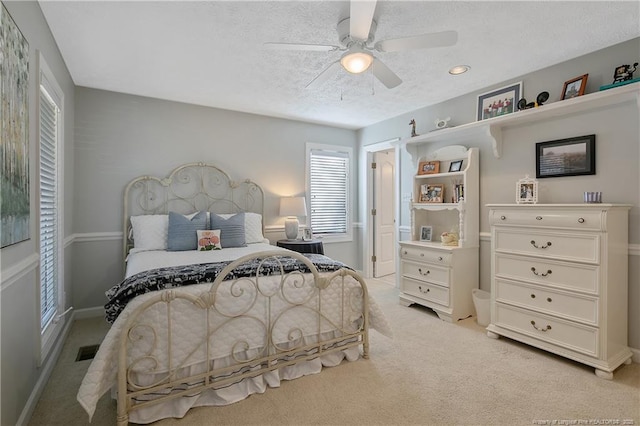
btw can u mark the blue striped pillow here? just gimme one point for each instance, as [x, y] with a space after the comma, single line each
[231, 230]
[183, 233]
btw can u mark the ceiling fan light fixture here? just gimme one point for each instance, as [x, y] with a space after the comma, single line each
[459, 69]
[356, 61]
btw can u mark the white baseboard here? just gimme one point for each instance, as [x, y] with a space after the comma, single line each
[636, 355]
[97, 311]
[47, 369]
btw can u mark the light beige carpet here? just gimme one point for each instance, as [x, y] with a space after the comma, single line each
[432, 372]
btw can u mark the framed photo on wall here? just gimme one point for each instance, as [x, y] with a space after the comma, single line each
[566, 157]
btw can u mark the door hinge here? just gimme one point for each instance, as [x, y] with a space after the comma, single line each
[373, 212]
[374, 165]
[373, 258]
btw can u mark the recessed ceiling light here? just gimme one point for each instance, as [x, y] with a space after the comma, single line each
[459, 69]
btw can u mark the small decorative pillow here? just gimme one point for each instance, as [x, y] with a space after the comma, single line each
[209, 240]
[231, 229]
[182, 233]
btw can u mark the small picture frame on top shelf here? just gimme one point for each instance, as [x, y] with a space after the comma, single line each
[455, 166]
[425, 233]
[307, 234]
[431, 193]
[428, 167]
[574, 87]
[527, 191]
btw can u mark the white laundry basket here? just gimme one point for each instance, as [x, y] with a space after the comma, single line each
[481, 300]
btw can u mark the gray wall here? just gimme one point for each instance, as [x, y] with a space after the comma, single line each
[119, 137]
[19, 317]
[617, 132]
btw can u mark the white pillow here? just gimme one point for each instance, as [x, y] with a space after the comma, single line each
[150, 231]
[252, 227]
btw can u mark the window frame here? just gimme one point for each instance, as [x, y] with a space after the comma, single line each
[347, 236]
[49, 87]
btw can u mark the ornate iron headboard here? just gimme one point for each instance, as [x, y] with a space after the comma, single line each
[189, 188]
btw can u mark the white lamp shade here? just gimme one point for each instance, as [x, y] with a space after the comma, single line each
[356, 61]
[292, 207]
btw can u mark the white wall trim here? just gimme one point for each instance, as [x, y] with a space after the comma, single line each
[47, 369]
[636, 355]
[96, 236]
[14, 273]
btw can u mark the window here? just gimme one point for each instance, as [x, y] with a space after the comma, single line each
[50, 125]
[328, 183]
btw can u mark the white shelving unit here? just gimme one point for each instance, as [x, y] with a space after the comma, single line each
[434, 275]
[491, 129]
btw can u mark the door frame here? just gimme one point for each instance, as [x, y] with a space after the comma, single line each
[368, 247]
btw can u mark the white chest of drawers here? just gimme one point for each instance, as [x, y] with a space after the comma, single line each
[439, 277]
[559, 280]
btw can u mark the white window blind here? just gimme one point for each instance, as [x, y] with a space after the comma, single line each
[50, 207]
[49, 115]
[329, 192]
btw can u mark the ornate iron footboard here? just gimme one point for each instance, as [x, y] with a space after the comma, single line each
[285, 319]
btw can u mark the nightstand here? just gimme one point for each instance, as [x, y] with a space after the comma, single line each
[306, 246]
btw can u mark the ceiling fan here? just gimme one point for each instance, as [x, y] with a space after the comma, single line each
[356, 33]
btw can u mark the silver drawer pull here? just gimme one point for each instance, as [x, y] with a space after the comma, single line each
[580, 220]
[533, 323]
[544, 274]
[533, 243]
[533, 296]
[538, 217]
[440, 258]
[549, 300]
[424, 273]
[423, 291]
[503, 218]
[422, 254]
[405, 252]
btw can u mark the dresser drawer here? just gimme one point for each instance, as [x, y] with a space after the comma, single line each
[424, 254]
[556, 245]
[426, 272]
[570, 276]
[577, 337]
[567, 305]
[426, 291]
[549, 218]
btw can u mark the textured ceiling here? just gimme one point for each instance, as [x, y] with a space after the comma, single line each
[212, 53]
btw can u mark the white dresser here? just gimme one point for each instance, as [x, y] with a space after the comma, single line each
[559, 280]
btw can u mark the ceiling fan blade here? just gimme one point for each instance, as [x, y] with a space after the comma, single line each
[360, 18]
[301, 46]
[442, 39]
[323, 76]
[384, 74]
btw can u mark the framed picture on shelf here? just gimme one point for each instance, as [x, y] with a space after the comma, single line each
[307, 234]
[425, 233]
[574, 87]
[527, 191]
[431, 193]
[498, 102]
[566, 157]
[455, 166]
[428, 167]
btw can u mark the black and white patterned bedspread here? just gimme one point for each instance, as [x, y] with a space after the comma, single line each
[177, 276]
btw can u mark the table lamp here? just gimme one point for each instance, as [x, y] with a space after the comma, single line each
[292, 207]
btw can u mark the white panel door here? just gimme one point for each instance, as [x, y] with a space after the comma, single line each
[384, 220]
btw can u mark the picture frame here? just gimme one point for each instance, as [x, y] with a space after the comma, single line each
[566, 157]
[455, 166]
[527, 191]
[498, 102]
[574, 87]
[432, 193]
[307, 234]
[425, 233]
[428, 167]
